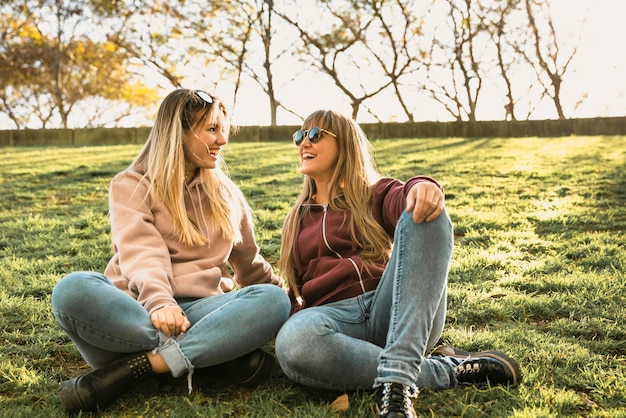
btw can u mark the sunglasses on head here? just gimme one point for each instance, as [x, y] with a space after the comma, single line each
[204, 96]
[314, 135]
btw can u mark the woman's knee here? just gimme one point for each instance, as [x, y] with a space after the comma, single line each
[302, 333]
[72, 287]
[289, 342]
[274, 301]
[441, 221]
[439, 229]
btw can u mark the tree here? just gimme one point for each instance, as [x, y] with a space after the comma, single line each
[507, 27]
[339, 51]
[549, 58]
[498, 27]
[392, 40]
[230, 39]
[257, 29]
[242, 37]
[23, 66]
[463, 55]
[151, 33]
[458, 59]
[50, 67]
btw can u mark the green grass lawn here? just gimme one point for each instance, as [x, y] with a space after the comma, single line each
[538, 272]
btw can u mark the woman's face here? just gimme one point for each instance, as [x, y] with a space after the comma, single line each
[318, 160]
[204, 143]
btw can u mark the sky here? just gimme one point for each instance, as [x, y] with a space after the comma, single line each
[599, 72]
[601, 63]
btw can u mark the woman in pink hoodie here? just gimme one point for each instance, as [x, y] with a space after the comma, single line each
[182, 238]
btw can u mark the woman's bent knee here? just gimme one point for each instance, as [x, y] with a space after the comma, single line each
[286, 346]
[72, 286]
[292, 342]
[275, 301]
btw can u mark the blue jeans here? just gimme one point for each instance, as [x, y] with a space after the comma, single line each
[106, 324]
[382, 335]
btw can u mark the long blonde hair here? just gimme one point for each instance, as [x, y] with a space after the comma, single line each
[354, 177]
[162, 163]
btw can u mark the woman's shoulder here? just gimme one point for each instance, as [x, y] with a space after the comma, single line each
[387, 191]
[129, 182]
[387, 182]
[127, 175]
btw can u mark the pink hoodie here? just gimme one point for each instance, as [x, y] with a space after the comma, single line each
[152, 266]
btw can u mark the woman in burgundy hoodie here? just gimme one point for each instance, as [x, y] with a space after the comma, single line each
[367, 261]
[166, 302]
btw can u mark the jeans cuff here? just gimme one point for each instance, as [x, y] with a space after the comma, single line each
[413, 390]
[176, 361]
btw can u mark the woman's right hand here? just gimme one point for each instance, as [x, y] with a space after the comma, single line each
[170, 320]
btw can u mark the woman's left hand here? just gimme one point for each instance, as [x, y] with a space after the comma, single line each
[425, 200]
[170, 320]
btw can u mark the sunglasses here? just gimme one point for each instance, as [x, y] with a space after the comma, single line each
[314, 135]
[204, 96]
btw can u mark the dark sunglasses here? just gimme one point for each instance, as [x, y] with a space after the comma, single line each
[313, 134]
[204, 96]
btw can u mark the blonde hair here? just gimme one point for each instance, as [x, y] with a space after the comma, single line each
[162, 163]
[354, 177]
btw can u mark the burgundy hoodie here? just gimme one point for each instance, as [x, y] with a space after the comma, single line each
[328, 265]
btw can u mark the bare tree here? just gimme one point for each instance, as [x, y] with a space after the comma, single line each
[235, 34]
[261, 21]
[392, 39]
[267, 31]
[366, 47]
[507, 27]
[338, 49]
[149, 32]
[499, 27]
[250, 48]
[458, 59]
[549, 58]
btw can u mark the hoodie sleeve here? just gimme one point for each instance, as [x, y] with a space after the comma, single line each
[144, 259]
[389, 199]
[248, 264]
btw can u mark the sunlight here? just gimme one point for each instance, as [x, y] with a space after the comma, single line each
[548, 209]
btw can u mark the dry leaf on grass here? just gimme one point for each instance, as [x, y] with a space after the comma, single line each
[340, 404]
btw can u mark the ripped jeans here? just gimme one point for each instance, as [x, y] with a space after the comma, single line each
[106, 324]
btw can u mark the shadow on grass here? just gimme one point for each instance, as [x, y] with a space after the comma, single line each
[604, 201]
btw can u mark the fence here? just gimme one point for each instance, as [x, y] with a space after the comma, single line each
[545, 128]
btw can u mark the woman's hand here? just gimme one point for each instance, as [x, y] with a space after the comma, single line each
[170, 320]
[426, 200]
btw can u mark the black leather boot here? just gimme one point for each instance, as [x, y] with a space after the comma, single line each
[104, 386]
[249, 370]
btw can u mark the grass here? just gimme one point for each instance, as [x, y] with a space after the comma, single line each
[538, 272]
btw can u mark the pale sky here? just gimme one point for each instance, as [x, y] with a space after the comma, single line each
[599, 70]
[601, 66]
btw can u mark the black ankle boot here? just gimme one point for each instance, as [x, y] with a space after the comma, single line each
[482, 367]
[104, 386]
[249, 370]
[394, 400]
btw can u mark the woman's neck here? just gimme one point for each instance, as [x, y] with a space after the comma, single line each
[322, 194]
[190, 174]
